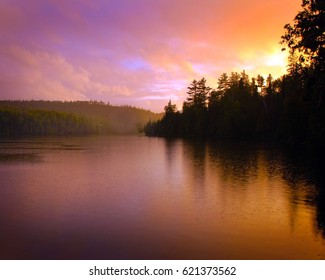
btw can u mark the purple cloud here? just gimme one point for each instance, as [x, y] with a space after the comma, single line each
[141, 53]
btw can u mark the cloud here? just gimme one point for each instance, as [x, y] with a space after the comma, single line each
[131, 51]
[50, 76]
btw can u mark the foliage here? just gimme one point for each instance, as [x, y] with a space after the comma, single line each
[19, 122]
[255, 110]
[19, 118]
[198, 94]
[307, 34]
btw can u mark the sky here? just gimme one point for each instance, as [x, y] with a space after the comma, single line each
[141, 53]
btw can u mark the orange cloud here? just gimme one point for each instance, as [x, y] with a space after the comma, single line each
[131, 51]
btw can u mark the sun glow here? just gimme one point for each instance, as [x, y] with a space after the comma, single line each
[276, 59]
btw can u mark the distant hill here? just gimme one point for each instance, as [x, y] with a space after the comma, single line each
[72, 117]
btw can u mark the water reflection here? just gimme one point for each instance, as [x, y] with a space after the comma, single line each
[237, 163]
[151, 198]
[195, 159]
[19, 157]
[305, 176]
[273, 185]
[320, 218]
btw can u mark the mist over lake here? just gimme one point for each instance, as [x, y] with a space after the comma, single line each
[134, 197]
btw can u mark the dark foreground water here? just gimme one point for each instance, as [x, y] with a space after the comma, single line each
[150, 198]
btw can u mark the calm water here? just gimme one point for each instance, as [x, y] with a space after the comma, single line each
[148, 198]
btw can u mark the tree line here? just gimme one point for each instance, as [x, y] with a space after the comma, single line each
[38, 117]
[15, 122]
[289, 109]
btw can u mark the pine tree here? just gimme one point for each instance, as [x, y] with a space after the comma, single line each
[198, 94]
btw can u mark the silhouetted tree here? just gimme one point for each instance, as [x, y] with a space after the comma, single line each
[198, 94]
[304, 93]
[170, 108]
[223, 84]
[306, 41]
[306, 35]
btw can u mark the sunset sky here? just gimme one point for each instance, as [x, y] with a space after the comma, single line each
[136, 52]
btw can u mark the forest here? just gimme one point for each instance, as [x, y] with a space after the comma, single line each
[288, 110]
[41, 118]
[15, 122]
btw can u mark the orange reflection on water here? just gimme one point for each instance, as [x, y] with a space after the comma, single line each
[237, 206]
[147, 198]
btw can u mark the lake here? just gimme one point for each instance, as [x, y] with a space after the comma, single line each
[134, 197]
